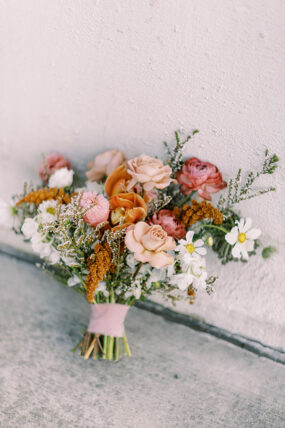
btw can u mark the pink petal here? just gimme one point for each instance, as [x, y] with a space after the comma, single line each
[131, 242]
[161, 259]
[140, 229]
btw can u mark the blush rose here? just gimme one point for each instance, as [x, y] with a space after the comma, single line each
[149, 172]
[104, 164]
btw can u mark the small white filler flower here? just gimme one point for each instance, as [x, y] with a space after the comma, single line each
[242, 238]
[63, 177]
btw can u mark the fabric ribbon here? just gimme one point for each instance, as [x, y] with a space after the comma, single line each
[108, 319]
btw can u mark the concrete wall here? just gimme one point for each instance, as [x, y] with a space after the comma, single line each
[80, 77]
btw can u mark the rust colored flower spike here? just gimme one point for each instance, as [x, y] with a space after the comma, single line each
[197, 212]
[45, 194]
[192, 295]
[98, 269]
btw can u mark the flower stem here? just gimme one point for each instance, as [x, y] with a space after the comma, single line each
[105, 344]
[137, 269]
[212, 226]
[126, 345]
[110, 350]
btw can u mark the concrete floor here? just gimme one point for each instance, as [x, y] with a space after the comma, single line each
[176, 378]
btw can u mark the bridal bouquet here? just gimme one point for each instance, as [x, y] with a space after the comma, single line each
[136, 227]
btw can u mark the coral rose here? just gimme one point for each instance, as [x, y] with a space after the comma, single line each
[117, 181]
[99, 211]
[51, 163]
[149, 243]
[149, 172]
[170, 223]
[127, 208]
[104, 164]
[202, 176]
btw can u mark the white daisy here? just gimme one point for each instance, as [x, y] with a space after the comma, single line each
[63, 177]
[189, 249]
[29, 228]
[242, 238]
[8, 214]
[48, 210]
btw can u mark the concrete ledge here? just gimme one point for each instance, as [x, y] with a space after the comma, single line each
[246, 343]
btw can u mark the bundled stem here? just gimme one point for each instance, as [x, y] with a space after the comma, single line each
[100, 346]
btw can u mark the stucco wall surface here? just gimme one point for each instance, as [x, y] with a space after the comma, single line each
[81, 77]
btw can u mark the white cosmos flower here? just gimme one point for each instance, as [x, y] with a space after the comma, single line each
[47, 211]
[8, 214]
[29, 228]
[188, 248]
[242, 238]
[63, 177]
[193, 273]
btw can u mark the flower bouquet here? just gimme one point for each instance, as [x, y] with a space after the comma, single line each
[135, 228]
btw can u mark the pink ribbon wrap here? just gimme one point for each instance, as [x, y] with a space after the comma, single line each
[108, 319]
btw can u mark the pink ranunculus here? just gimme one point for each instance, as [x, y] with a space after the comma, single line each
[104, 164]
[51, 163]
[149, 243]
[99, 211]
[149, 172]
[172, 225]
[202, 176]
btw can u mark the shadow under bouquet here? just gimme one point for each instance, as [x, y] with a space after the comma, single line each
[137, 227]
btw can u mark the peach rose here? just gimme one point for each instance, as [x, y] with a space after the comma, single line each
[202, 176]
[127, 208]
[104, 164]
[149, 243]
[170, 223]
[117, 181]
[51, 163]
[99, 211]
[149, 172]
[148, 196]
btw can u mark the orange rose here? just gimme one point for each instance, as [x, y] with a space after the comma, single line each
[117, 181]
[127, 208]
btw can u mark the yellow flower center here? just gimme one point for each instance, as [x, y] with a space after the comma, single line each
[117, 214]
[241, 237]
[50, 210]
[190, 248]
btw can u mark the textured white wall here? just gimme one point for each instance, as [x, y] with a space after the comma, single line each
[80, 77]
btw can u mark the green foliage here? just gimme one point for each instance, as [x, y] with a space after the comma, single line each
[238, 192]
[175, 154]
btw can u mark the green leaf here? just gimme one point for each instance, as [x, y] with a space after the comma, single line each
[268, 251]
